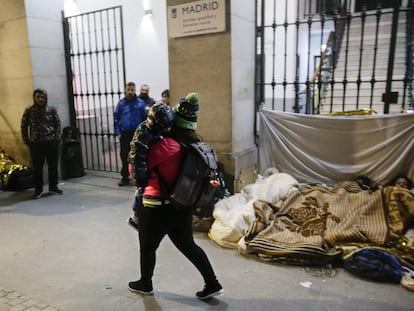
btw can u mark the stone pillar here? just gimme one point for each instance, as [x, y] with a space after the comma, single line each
[220, 67]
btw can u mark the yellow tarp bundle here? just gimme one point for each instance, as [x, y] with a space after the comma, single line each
[358, 112]
[7, 167]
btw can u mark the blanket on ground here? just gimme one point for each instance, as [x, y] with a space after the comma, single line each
[321, 225]
[315, 224]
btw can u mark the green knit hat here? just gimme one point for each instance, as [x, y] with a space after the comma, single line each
[186, 112]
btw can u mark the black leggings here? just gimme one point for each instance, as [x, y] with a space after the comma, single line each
[154, 224]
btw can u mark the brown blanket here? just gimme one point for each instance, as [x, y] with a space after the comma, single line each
[320, 225]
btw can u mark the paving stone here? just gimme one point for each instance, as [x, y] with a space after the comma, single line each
[13, 295]
[18, 308]
[15, 301]
[4, 300]
[41, 305]
[30, 302]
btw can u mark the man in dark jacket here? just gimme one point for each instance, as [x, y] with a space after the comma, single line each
[129, 113]
[40, 129]
[144, 95]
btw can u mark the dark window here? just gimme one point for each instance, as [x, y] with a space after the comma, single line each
[328, 7]
[373, 4]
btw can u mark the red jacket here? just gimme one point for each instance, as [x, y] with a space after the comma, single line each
[166, 155]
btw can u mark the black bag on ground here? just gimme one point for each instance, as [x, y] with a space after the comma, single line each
[199, 184]
[71, 162]
[20, 180]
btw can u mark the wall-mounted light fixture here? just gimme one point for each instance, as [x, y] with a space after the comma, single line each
[148, 12]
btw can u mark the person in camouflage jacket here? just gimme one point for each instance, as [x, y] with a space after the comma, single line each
[41, 131]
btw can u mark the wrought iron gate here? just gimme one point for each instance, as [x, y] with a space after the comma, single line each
[324, 56]
[94, 49]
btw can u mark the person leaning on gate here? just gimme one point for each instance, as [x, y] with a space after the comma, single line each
[41, 132]
[129, 113]
[158, 217]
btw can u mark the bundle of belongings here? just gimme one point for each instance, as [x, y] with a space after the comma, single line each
[280, 220]
[14, 176]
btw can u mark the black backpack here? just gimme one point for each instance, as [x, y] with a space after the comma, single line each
[199, 183]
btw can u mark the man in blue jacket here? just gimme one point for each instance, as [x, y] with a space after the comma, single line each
[129, 113]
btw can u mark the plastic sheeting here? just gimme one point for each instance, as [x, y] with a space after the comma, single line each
[328, 149]
[234, 215]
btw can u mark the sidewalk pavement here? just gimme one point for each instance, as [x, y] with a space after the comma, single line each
[75, 252]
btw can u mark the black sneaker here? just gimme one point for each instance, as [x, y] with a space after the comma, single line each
[124, 182]
[37, 194]
[139, 287]
[133, 222]
[56, 190]
[210, 291]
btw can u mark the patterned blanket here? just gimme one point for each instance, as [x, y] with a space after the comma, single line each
[319, 225]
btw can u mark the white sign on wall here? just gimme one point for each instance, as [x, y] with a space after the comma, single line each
[196, 18]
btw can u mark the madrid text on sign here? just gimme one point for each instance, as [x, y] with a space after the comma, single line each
[197, 8]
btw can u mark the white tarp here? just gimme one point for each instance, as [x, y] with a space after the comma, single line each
[328, 149]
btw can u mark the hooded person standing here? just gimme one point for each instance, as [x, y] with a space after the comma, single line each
[40, 129]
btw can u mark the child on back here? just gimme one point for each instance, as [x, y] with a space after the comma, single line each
[158, 123]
